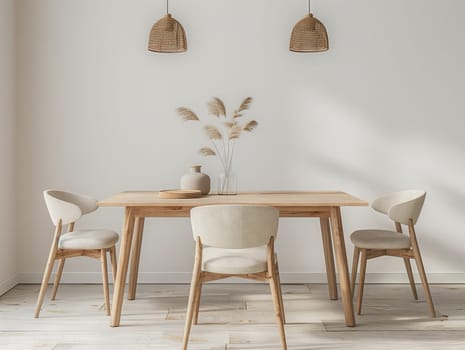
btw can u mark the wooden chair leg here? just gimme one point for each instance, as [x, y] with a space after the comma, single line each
[58, 278]
[106, 292]
[421, 268]
[353, 277]
[361, 282]
[113, 263]
[198, 293]
[424, 281]
[43, 286]
[277, 308]
[48, 269]
[408, 267]
[280, 293]
[194, 286]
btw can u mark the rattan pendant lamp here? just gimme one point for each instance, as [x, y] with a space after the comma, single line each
[167, 35]
[309, 35]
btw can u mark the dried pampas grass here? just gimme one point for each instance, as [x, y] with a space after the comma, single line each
[207, 151]
[235, 132]
[250, 126]
[187, 114]
[245, 104]
[224, 132]
[213, 133]
[216, 107]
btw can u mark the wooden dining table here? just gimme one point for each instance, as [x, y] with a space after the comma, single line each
[325, 205]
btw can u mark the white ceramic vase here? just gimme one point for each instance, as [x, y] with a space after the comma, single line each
[196, 180]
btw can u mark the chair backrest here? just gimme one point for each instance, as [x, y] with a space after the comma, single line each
[68, 206]
[401, 206]
[234, 226]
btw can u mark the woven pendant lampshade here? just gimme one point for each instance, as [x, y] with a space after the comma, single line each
[309, 35]
[167, 35]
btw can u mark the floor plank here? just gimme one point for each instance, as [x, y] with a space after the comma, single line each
[232, 316]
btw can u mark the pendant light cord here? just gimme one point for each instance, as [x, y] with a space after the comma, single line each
[167, 9]
[308, 6]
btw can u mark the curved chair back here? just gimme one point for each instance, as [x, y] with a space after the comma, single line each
[68, 206]
[401, 206]
[234, 226]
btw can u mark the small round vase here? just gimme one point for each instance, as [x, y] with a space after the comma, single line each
[196, 180]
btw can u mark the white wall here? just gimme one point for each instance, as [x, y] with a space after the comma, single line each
[382, 110]
[8, 277]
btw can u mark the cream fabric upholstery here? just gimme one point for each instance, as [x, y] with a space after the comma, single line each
[234, 261]
[88, 239]
[234, 237]
[68, 206]
[401, 206]
[234, 241]
[234, 226]
[379, 239]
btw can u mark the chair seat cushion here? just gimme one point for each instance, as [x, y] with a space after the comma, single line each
[88, 239]
[379, 239]
[234, 261]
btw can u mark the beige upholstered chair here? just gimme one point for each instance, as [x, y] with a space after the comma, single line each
[403, 208]
[234, 240]
[66, 208]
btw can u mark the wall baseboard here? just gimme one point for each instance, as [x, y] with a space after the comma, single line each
[185, 277]
[9, 283]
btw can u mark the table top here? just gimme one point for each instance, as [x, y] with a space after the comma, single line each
[272, 198]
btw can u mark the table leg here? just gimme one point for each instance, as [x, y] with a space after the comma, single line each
[135, 257]
[342, 266]
[329, 257]
[124, 251]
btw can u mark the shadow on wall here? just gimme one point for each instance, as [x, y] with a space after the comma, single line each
[332, 166]
[442, 238]
[450, 254]
[453, 196]
[436, 238]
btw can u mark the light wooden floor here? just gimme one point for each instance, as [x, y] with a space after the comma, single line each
[232, 316]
